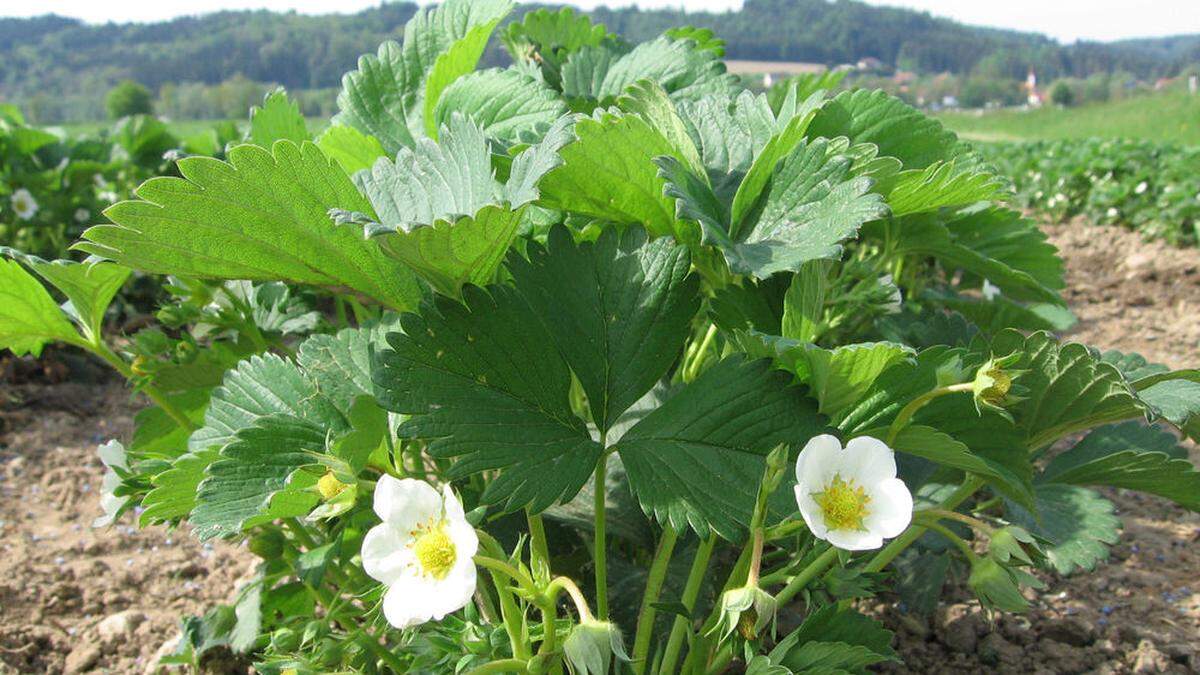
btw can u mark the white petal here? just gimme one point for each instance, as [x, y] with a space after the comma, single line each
[112, 453]
[854, 540]
[813, 516]
[466, 541]
[818, 461]
[453, 592]
[386, 555]
[407, 602]
[869, 460]
[890, 509]
[452, 508]
[406, 502]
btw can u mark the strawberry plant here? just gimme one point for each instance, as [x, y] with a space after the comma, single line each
[1150, 187]
[600, 363]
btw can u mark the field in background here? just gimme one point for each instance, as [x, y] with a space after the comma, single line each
[182, 128]
[1171, 117]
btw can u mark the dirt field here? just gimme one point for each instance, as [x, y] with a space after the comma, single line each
[77, 600]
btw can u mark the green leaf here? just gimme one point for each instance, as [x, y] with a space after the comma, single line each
[842, 376]
[1134, 367]
[279, 119]
[596, 75]
[898, 129]
[89, 286]
[810, 208]
[443, 212]
[1069, 388]
[607, 173]
[1130, 455]
[804, 302]
[729, 132]
[697, 460]
[174, 493]
[262, 386]
[623, 517]
[619, 310]
[931, 235]
[29, 317]
[339, 365]
[1078, 523]
[258, 477]
[1007, 236]
[546, 38]
[941, 185]
[264, 216]
[485, 384]
[157, 434]
[1177, 401]
[762, 169]
[832, 640]
[929, 443]
[393, 92]
[350, 148]
[506, 104]
[248, 611]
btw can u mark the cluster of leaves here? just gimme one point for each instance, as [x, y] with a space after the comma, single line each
[607, 288]
[1150, 187]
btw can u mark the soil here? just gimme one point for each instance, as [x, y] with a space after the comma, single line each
[74, 599]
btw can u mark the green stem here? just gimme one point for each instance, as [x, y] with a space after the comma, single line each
[969, 487]
[513, 617]
[599, 553]
[698, 359]
[501, 567]
[110, 357]
[560, 584]
[549, 627]
[691, 590]
[502, 666]
[906, 413]
[654, 583]
[300, 533]
[935, 514]
[806, 575]
[953, 538]
[538, 549]
[382, 653]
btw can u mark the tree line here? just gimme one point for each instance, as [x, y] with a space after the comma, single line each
[59, 69]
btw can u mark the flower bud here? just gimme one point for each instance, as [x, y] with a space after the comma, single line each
[998, 586]
[1009, 543]
[748, 609]
[993, 387]
[338, 497]
[591, 647]
[329, 486]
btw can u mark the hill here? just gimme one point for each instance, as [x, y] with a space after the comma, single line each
[59, 68]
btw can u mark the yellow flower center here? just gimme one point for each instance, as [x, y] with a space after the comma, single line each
[435, 552]
[998, 390]
[329, 486]
[844, 504]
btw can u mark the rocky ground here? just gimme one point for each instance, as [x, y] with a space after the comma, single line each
[73, 599]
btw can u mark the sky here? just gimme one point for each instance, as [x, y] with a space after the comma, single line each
[1065, 20]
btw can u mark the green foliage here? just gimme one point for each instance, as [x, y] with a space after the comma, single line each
[1062, 94]
[606, 285]
[270, 210]
[128, 98]
[1149, 187]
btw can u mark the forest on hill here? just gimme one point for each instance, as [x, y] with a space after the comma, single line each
[59, 68]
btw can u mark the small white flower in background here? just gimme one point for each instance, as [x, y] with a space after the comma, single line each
[990, 291]
[1141, 187]
[851, 497]
[1113, 212]
[107, 196]
[422, 551]
[112, 454]
[82, 215]
[24, 204]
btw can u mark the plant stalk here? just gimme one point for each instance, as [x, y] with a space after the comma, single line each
[600, 553]
[654, 584]
[806, 575]
[969, 487]
[691, 591]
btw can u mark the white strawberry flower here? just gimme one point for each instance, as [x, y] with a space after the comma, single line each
[1141, 187]
[112, 454]
[990, 291]
[851, 497]
[422, 551]
[82, 215]
[24, 204]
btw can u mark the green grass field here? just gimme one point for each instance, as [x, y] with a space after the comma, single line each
[1173, 116]
[183, 128]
